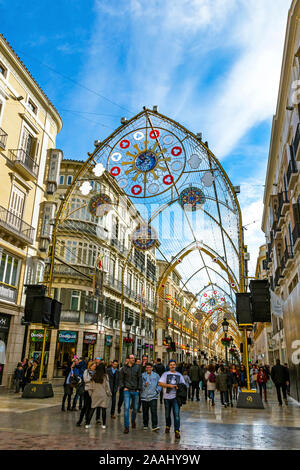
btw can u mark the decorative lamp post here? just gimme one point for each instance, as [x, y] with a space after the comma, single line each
[225, 326]
[128, 323]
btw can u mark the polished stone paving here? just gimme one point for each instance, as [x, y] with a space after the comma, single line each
[40, 424]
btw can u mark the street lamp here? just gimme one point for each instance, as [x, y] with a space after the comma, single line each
[225, 326]
[128, 323]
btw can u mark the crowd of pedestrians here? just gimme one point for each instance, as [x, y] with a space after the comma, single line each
[139, 384]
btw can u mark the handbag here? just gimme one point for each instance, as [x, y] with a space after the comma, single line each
[74, 381]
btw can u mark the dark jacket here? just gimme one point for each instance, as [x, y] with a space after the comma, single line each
[131, 377]
[181, 394]
[68, 370]
[19, 374]
[195, 373]
[279, 374]
[159, 369]
[222, 382]
[114, 379]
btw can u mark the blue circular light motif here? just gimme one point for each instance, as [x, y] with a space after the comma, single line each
[146, 161]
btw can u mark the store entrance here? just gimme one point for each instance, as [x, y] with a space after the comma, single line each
[65, 351]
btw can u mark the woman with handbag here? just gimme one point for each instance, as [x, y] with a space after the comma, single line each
[262, 382]
[100, 393]
[71, 380]
[87, 377]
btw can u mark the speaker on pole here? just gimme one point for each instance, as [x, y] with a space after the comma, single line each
[55, 314]
[260, 300]
[243, 308]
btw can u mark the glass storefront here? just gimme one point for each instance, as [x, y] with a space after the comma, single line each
[4, 330]
[89, 341]
[36, 338]
[65, 351]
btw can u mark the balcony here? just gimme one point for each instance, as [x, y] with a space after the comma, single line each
[288, 257]
[8, 293]
[284, 205]
[25, 165]
[278, 276]
[63, 270]
[296, 143]
[16, 227]
[296, 237]
[292, 174]
[276, 231]
[91, 318]
[3, 139]
[72, 316]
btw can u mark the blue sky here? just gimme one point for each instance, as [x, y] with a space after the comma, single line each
[213, 65]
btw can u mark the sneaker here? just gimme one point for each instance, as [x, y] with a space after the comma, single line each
[177, 435]
[133, 425]
[87, 426]
[126, 430]
[146, 428]
[103, 426]
[167, 430]
[156, 428]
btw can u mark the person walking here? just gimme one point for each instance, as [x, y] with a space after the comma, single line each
[87, 376]
[230, 385]
[210, 377]
[170, 381]
[80, 366]
[71, 376]
[280, 377]
[100, 393]
[131, 382]
[121, 395]
[253, 376]
[204, 381]
[222, 386]
[262, 382]
[188, 383]
[242, 377]
[288, 375]
[235, 381]
[149, 395]
[114, 380]
[18, 377]
[159, 368]
[195, 376]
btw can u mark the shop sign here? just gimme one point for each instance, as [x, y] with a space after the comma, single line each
[4, 322]
[90, 338]
[67, 336]
[38, 335]
[108, 340]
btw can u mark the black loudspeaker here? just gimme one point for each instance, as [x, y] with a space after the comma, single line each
[55, 313]
[32, 291]
[243, 308]
[260, 300]
[38, 310]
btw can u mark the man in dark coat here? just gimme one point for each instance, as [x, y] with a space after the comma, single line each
[114, 380]
[159, 368]
[280, 377]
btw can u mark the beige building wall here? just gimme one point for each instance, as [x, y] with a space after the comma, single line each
[281, 217]
[28, 126]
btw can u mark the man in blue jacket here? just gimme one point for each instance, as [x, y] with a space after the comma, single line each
[149, 395]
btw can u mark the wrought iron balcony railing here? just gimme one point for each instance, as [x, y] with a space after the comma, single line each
[3, 138]
[292, 169]
[282, 201]
[16, 225]
[296, 139]
[21, 157]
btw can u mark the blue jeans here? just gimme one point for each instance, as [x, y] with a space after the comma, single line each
[169, 405]
[211, 395]
[128, 396]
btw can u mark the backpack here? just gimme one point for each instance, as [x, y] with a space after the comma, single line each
[212, 377]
